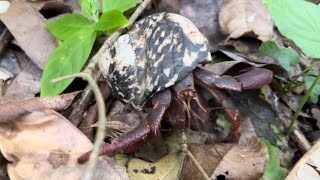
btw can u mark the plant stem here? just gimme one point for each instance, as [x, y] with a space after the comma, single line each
[101, 118]
[288, 87]
[304, 100]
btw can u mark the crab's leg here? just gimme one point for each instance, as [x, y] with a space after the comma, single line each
[220, 97]
[253, 79]
[160, 103]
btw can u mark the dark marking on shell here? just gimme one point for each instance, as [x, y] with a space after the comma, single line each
[113, 52]
[158, 51]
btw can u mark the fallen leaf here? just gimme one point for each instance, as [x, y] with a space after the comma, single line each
[239, 17]
[308, 166]
[29, 22]
[12, 111]
[24, 86]
[247, 160]
[45, 145]
[168, 167]
[208, 156]
[9, 61]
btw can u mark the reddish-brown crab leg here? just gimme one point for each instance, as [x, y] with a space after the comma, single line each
[160, 102]
[228, 106]
[253, 79]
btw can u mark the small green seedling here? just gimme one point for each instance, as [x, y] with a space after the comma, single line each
[77, 34]
[298, 20]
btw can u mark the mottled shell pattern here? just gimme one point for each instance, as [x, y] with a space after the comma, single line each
[154, 54]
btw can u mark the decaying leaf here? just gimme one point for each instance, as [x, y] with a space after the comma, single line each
[239, 17]
[24, 23]
[209, 156]
[168, 167]
[245, 161]
[45, 145]
[13, 111]
[24, 86]
[308, 166]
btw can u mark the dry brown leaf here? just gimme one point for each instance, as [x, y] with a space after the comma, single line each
[45, 145]
[166, 168]
[24, 86]
[13, 111]
[247, 160]
[209, 156]
[238, 17]
[308, 166]
[27, 27]
[243, 162]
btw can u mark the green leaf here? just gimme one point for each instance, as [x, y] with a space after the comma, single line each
[111, 20]
[121, 5]
[309, 79]
[68, 58]
[287, 57]
[90, 9]
[273, 170]
[68, 25]
[298, 20]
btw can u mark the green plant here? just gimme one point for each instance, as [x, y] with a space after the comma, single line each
[298, 20]
[77, 34]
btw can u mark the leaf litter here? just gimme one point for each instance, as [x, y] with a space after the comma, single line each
[33, 132]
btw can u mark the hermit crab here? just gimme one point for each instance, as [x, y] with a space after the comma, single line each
[156, 64]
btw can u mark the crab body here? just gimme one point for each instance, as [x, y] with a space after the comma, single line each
[157, 52]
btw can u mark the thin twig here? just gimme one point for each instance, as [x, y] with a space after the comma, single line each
[101, 118]
[185, 149]
[94, 60]
[198, 166]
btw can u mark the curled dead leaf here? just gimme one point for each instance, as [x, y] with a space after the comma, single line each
[239, 17]
[243, 162]
[25, 85]
[45, 145]
[13, 111]
[29, 22]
